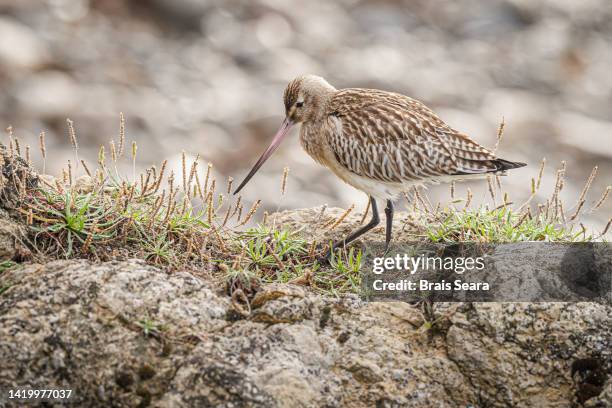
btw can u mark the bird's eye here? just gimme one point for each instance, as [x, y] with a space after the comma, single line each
[299, 104]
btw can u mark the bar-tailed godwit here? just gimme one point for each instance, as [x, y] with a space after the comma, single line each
[379, 142]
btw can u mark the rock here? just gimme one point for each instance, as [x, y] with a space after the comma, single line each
[21, 47]
[281, 304]
[594, 134]
[112, 301]
[48, 181]
[15, 174]
[516, 107]
[84, 184]
[530, 349]
[49, 95]
[479, 129]
[10, 234]
[183, 13]
[129, 334]
[321, 223]
[602, 400]
[84, 329]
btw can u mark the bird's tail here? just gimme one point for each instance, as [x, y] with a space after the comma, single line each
[503, 165]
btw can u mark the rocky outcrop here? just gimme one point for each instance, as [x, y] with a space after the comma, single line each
[10, 234]
[15, 176]
[129, 334]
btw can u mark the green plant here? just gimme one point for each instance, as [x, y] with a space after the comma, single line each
[72, 218]
[343, 274]
[187, 221]
[150, 327]
[6, 265]
[5, 287]
[158, 250]
[241, 278]
[498, 225]
[266, 247]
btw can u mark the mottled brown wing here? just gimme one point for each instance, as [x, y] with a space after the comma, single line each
[390, 137]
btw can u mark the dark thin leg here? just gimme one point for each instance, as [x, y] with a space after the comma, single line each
[373, 223]
[389, 214]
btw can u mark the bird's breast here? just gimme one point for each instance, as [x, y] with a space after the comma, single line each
[314, 140]
[314, 143]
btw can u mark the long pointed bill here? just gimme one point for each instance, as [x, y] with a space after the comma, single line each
[278, 138]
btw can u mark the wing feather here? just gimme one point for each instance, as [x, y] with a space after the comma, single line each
[393, 138]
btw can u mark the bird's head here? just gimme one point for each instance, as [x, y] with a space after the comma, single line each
[305, 98]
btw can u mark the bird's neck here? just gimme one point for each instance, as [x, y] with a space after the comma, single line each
[310, 139]
[321, 100]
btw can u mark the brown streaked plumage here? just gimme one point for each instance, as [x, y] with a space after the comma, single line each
[381, 143]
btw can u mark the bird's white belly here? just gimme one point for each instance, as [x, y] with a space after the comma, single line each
[377, 189]
[390, 191]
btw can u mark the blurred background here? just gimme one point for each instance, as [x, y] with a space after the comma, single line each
[207, 77]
